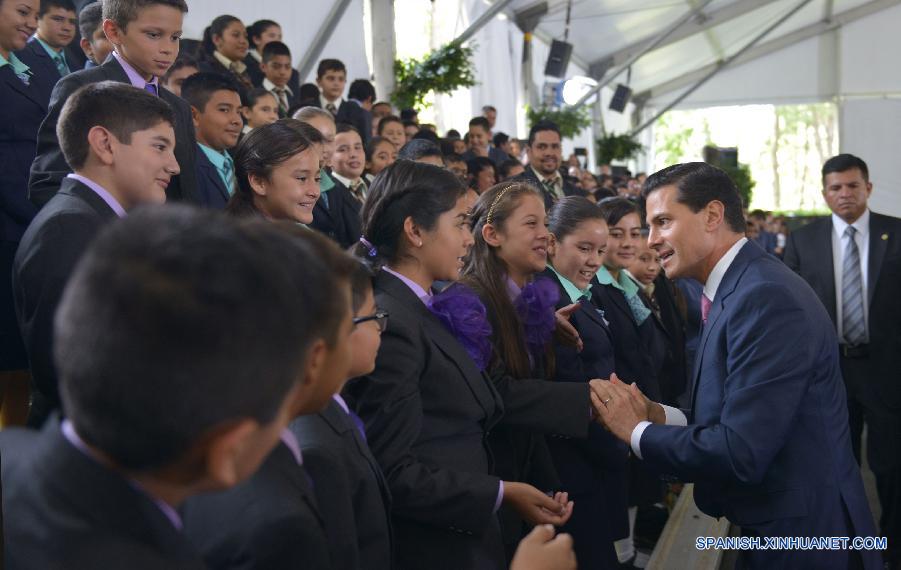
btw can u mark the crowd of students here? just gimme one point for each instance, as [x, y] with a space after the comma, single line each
[222, 386]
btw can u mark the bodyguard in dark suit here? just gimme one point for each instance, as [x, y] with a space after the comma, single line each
[858, 279]
[767, 437]
[337, 214]
[545, 158]
[50, 167]
[211, 190]
[344, 472]
[279, 497]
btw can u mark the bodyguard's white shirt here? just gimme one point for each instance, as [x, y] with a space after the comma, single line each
[839, 244]
[675, 417]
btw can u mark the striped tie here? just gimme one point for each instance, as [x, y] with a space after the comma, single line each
[853, 326]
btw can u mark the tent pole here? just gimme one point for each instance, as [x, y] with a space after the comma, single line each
[311, 56]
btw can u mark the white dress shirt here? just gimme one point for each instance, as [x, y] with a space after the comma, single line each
[675, 417]
[839, 244]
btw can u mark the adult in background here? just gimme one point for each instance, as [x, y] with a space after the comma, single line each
[766, 441]
[545, 157]
[852, 260]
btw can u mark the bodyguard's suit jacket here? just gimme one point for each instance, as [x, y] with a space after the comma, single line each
[809, 253]
[211, 190]
[353, 114]
[41, 64]
[341, 219]
[269, 522]
[428, 411]
[46, 257]
[64, 511]
[767, 443]
[50, 167]
[348, 480]
[568, 189]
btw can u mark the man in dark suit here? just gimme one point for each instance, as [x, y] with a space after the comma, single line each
[110, 177]
[211, 187]
[545, 157]
[768, 444]
[49, 168]
[852, 261]
[357, 110]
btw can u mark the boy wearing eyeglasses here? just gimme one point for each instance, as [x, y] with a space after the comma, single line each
[346, 477]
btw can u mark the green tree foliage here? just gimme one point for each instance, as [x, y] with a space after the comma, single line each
[570, 121]
[442, 71]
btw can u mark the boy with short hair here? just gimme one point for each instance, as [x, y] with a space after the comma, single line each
[277, 71]
[273, 520]
[331, 77]
[45, 52]
[349, 161]
[216, 111]
[480, 142]
[94, 44]
[120, 142]
[357, 112]
[184, 67]
[140, 58]
[179, 371]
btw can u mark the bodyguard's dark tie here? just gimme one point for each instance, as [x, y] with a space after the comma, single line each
[853, 325]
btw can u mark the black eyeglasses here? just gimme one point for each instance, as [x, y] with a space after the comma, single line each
[380, 317]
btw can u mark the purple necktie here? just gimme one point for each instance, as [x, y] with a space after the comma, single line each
[705, 308]
[151, 88]
[359, 423]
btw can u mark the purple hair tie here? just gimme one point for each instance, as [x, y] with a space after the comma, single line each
[372, 250]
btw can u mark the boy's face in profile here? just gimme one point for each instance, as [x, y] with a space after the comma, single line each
[143, 168]
[150, 42]
[332, 84]
[173, 81]
[220, 123]
[97, 47]
[277, 70]
[57, 27]
[365, 339]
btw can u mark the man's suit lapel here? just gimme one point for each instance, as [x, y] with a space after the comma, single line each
[30, 91]
[825, 267]
[114, 71]
[212, 175]
[880, 236]
[284, 460]
[748, 253]
[76, 188]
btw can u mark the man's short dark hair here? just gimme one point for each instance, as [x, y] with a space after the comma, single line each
[542, 126]
[450, 157]
[157, 343]
[409, 115]
[698, 184]
[273, 49]
[124, 11]
[480, 122]
[89, 19]
[198, 89]
[419, 148]
[181, 62]
[843, 162]
[346, 128]
[477, 164]
[504, 168]
[500, 139]
[428, 135]
[361, 90]
[327, 65]
[46, 5]
[117, 107]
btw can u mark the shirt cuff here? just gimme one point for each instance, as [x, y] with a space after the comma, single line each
[636, 437]
[500, 496]
[674, 416]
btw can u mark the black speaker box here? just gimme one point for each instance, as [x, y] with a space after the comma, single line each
[558, 60]
[620, 98]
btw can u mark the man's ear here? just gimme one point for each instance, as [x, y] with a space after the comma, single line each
[195, 116]
[715, 215]
[317, 357]
[113, 32]
[86, 48]
[101, 143]
[224, 453]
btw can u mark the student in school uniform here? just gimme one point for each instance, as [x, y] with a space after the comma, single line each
[184, 67]
[357, 111]
[380, 154]
[337, 212]
[277, 73]
[216, 112]
[261, 33]
[331, 78]
[347, 480]
[259, 108]
[93, 42]
[277, 169]
[273, 520]
[188, 396]
[593, 470]
[225, 47]
[349, 161]
[23, 109]
[120, 141]
[137, 62]
[45, 52]
[429, 405]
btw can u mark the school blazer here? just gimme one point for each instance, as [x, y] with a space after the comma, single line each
[65, 511]
[211, 189]
[429, 412]
[44, 261]
[50, 167]
[269, 522]
[347, 478]
[42, 67]
[341, 219]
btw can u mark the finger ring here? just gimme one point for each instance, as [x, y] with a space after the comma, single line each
[607, 400]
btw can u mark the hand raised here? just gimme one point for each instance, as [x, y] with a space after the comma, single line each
[541, 550]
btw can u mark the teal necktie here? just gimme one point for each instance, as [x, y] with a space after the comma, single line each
[61, 65]
[228, 173]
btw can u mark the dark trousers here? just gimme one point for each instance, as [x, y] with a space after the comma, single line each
[883, 444]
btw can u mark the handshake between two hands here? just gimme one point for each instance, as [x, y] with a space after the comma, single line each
[619, 407]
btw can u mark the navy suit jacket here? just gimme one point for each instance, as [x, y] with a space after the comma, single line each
[50, 167]
[356, 116]
[65, 511]
[45, 72]
[341, 219]
[211, 189]
[768, 442]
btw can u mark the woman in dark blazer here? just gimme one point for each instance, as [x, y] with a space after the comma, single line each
[428, 407]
